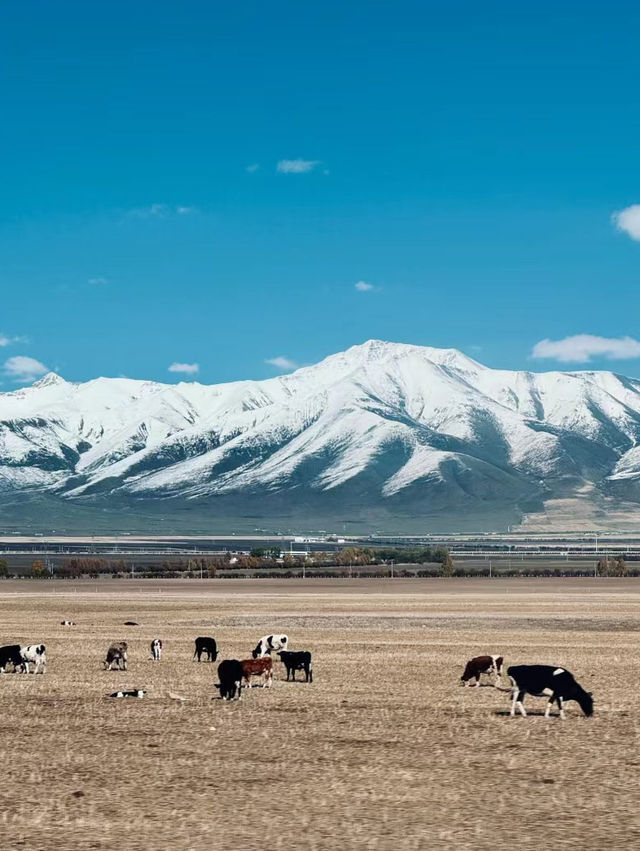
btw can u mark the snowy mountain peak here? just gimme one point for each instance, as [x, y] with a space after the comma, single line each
[49, 380]
[382, 425]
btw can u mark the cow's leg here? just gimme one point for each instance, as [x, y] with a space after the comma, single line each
[561, 707]
[520, 703]
[547, 711]
[477, 685]
[25, 667]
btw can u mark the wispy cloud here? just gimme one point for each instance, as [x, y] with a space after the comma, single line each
[160, 211]
[282, 362]
[22, 368]
[364, 287]
[9, 341]
[98, 282]
[297, 166]
[582, 347]
[252, 168]
[186, 368]
[628, 221]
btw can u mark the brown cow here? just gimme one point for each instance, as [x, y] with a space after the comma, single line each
[258, 668]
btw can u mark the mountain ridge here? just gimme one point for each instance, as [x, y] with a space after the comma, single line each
[392, 430]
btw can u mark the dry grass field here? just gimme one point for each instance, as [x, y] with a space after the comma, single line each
[385, 750]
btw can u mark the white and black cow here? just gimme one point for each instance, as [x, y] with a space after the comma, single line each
[67, 623]
[268, 643]
[10, 654]
[134, 692]
[156, 649]
[36, 653]
[557, 684]
[482, 665]
[230, 674]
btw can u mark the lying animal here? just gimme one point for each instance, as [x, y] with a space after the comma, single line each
[36, 653]
[258, 668]
[116, 656]
[67, 623]
[10, 653]
[268, 643]
[207, 646]
[156, 649]
[297, 660]
[557, 684]
[230, 674]
[482, 665]
[136, 692]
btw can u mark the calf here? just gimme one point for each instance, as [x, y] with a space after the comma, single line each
[482, 665]
[557, 684]
[207, 646]
[36, 653]
[156, 649]
[268, 643]
[116, 656]
[297, 660]
[67, 623]
[230, 674]
[10, 653]
[134, 692]
[258, 668]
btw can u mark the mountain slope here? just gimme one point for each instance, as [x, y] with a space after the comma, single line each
[386, 430]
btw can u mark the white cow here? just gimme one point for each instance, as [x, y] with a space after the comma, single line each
[36, 653]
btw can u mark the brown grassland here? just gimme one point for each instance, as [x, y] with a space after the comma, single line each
[385, 750]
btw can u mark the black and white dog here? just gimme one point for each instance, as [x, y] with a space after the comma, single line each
[156, 649]
[557, 684]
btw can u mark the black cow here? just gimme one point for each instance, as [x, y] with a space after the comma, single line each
[10, 653]
[557, 684]
[207, 646]
[230, 674]
[297, 660]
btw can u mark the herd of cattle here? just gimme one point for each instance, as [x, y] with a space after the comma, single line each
[555, 683]
[232, 673]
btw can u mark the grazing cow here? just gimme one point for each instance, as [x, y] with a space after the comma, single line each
[10, 653]
[258, 668]
[207, 646]
[230, 674]
[482, 665]
[134, 692]
[36, 653]
[156, 649]
[116, 655]
[268, 643]
[67, 623]
[297, 660]
[557, 684]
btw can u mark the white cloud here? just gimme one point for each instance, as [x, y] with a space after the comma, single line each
[98, 282]
[187, 368]
[582, 347]
[8, 341]
[23, 368]
[282, 362]
[296, 166]
[252, 168]
[364, 287]
[628, 220]
[160, 211]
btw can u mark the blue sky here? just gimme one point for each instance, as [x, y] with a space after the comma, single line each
[463, 160]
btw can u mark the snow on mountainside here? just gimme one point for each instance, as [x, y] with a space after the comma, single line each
[408, 427]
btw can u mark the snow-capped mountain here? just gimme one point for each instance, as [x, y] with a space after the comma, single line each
[391, 429]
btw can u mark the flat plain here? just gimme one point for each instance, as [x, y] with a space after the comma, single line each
[385, 750]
